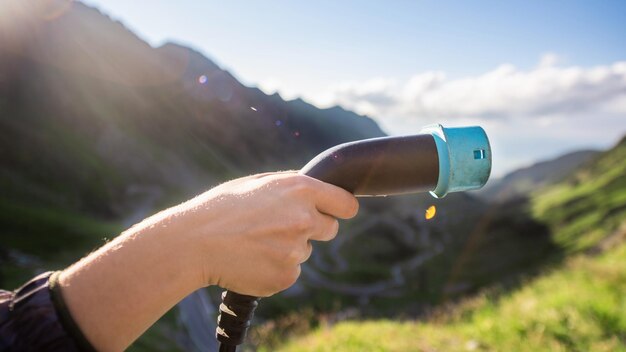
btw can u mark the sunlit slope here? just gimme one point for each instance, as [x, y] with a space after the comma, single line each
[576, 306]
[589, 204]
[543, 173]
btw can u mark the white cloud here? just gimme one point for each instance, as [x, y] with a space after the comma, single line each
[547, 109]
[505, 92]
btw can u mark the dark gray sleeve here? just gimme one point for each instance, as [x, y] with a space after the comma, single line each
[34, 318]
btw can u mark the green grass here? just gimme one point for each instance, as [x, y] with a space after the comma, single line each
[587, 204]
[576, 308]
[53, 237]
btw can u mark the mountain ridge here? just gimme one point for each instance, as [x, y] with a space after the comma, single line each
[89, 78]
[541, 173]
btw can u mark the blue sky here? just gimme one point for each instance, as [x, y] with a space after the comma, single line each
[536, 59]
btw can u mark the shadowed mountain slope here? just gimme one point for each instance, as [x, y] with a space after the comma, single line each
[87, 108]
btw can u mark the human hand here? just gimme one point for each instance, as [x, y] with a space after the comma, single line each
[251, 234]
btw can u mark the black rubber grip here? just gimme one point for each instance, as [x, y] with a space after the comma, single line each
[236, 312]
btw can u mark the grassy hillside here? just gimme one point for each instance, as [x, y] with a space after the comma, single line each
[21, 255]
[577, 305]
[543, 173]
[576, 308]
[590, 203]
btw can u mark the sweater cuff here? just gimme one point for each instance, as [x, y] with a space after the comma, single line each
[64, 315]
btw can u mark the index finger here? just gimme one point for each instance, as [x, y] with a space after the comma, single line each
[334, 201]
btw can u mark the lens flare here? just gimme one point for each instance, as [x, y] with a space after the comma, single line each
[430, 212]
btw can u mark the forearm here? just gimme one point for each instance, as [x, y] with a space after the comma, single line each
[117, 292]
[248, 235]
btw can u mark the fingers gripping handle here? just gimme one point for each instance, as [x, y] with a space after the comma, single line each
[236, 312]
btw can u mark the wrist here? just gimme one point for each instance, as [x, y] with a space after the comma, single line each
[177, 250]
[194, 235]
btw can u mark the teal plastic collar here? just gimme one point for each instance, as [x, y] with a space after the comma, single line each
[464, 158]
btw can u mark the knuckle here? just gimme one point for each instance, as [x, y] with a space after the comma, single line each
[286, 279]
[299, 184]
[308, 252]
[293, 256]
[352, 208]
[332, 233]
[291, 276]
[304, 222]
[329, 231]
